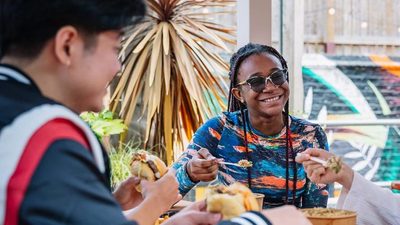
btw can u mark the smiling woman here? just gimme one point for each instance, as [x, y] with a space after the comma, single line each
[257, 128]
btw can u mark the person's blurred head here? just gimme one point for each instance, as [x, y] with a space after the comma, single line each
[27, 25]
[75, 41]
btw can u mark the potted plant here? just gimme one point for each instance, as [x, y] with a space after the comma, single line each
[172, 73]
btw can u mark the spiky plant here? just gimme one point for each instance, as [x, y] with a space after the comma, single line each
[170, 70]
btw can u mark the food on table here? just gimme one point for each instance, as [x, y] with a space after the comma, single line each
[230, 201]
[330, 216]
[326, 212]
[161, 220]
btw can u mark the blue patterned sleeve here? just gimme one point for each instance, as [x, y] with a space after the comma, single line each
[314, 195]
[207, 136]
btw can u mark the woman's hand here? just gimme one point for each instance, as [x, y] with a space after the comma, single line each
[203, 166]
[194, 214]
[319, 174]
[127, 195]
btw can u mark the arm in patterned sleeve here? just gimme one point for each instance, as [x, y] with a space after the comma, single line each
[315, 196]
[207, 136]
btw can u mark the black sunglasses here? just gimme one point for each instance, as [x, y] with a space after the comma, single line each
[258, 83]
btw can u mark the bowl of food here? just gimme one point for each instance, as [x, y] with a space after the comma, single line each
[329, 216]
[231, 201]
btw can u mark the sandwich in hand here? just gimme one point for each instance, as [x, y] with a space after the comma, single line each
[231, 201]
[147, 166]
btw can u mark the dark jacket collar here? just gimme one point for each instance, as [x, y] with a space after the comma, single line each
[9, 72]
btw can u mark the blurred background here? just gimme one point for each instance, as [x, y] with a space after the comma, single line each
[346, 57]
[344, 62]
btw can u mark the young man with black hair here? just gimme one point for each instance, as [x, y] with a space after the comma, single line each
[57, 57]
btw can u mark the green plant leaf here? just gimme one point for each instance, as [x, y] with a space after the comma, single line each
[103, 124]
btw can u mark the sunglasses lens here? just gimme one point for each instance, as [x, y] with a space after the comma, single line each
[279, 77]
[257, 84]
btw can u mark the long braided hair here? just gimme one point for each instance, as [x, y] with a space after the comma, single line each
[236, 105]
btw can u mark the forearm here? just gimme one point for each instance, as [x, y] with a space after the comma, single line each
[346, 177]
[185, 183]
[144, 214]
[346, 180]
[373, 204]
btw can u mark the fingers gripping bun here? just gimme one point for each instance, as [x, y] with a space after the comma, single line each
[160, 166]
[146, 166]
[231, 201]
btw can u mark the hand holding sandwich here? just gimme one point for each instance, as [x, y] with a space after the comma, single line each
[158, 197]
[163, 193]
[203, 166]
[127, 195]
[158, 187]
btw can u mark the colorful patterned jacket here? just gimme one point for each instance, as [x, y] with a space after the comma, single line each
[223, 137]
